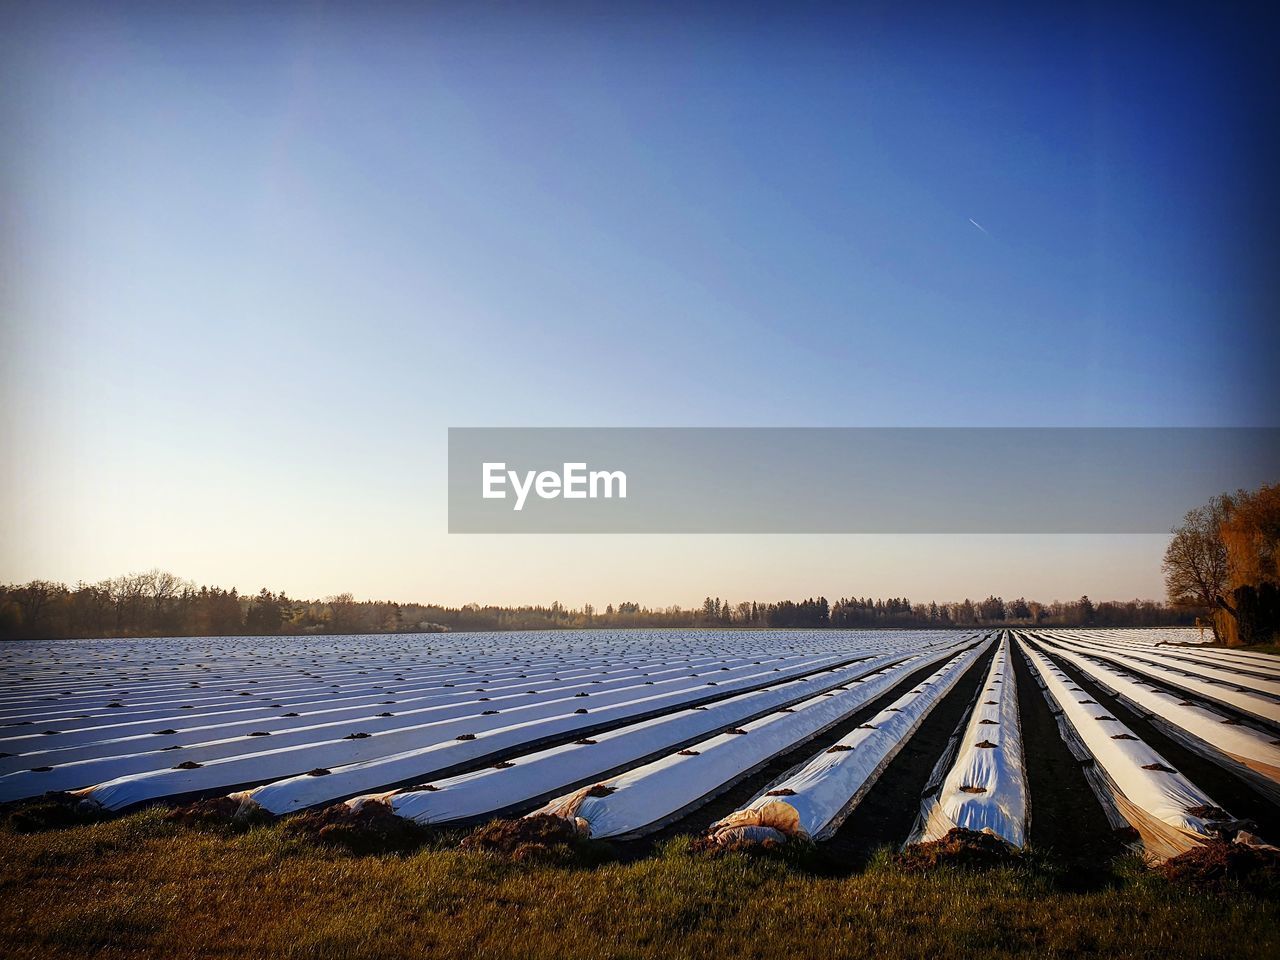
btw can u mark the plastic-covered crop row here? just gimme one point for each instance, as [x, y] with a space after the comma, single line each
[1252, 703]
[981, 783]
[1149, 636]
[1242, 661]
[1245, 669]
[650, 796]
[202, 688]
[1177, 640]
[360, 764]
[89, 684]
[532, 777]
[112, 698]
[108, 678]
[202, 742]
[1184, 641]
[28, 667]
[332, 702]
[1136, 786]
[213, 699]
[1232, 675]
[1246, 751]
[813, 801]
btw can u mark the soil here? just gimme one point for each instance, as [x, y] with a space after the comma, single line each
[1066, 821]
[540, 837]
[374, 828]
[1221, 867]
[709, 847]
[889, 810]
[53, 811]
[959, 848]
[219, 812]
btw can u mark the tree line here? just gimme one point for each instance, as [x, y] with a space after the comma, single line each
[160, 604]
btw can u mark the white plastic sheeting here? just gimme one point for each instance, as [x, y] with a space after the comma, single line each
[1133, 782]
[649, 796]
[1246, 662]
[1235, 675]
[1244, 750]
[1183, 641]
[1252, 703]
[310, 745]
[534, 776]
[122, 701]
[100, 688]
[985, 787]
[358, 765]
[423, 701]
[815, 800]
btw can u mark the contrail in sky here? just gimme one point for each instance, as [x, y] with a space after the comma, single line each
[979, 226]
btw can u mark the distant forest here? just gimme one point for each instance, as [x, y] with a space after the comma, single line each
[160, 604]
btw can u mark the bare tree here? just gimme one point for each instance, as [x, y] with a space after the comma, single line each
[1195, 563]
[32, 600]
[127, 593]
[342, 613]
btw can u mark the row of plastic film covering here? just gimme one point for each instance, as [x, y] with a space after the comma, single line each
[1198, 669]
[536, 776]
[324, 731]
[1138, 789]
[1237, 661]
[343, 766]
[1254, 703]
[1245, 750]
[650, 796]
[980, 783]
[813, 801]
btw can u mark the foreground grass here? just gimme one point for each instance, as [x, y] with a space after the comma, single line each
[139, 886]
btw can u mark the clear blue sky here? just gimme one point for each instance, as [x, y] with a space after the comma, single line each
[254, 266]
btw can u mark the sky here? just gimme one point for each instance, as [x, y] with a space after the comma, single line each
[255, 264]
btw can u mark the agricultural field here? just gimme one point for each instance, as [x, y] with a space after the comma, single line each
[1069, 765]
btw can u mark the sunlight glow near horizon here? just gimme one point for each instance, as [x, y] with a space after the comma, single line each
[265, 263]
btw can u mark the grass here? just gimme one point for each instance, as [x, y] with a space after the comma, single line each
[141, 886]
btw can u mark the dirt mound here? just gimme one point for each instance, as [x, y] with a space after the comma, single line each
[959, 848]
[53, 811]
[1218, 866]
[752, 839]
[710, 847]
[218, 812]
[538, 837]
[372, 828]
